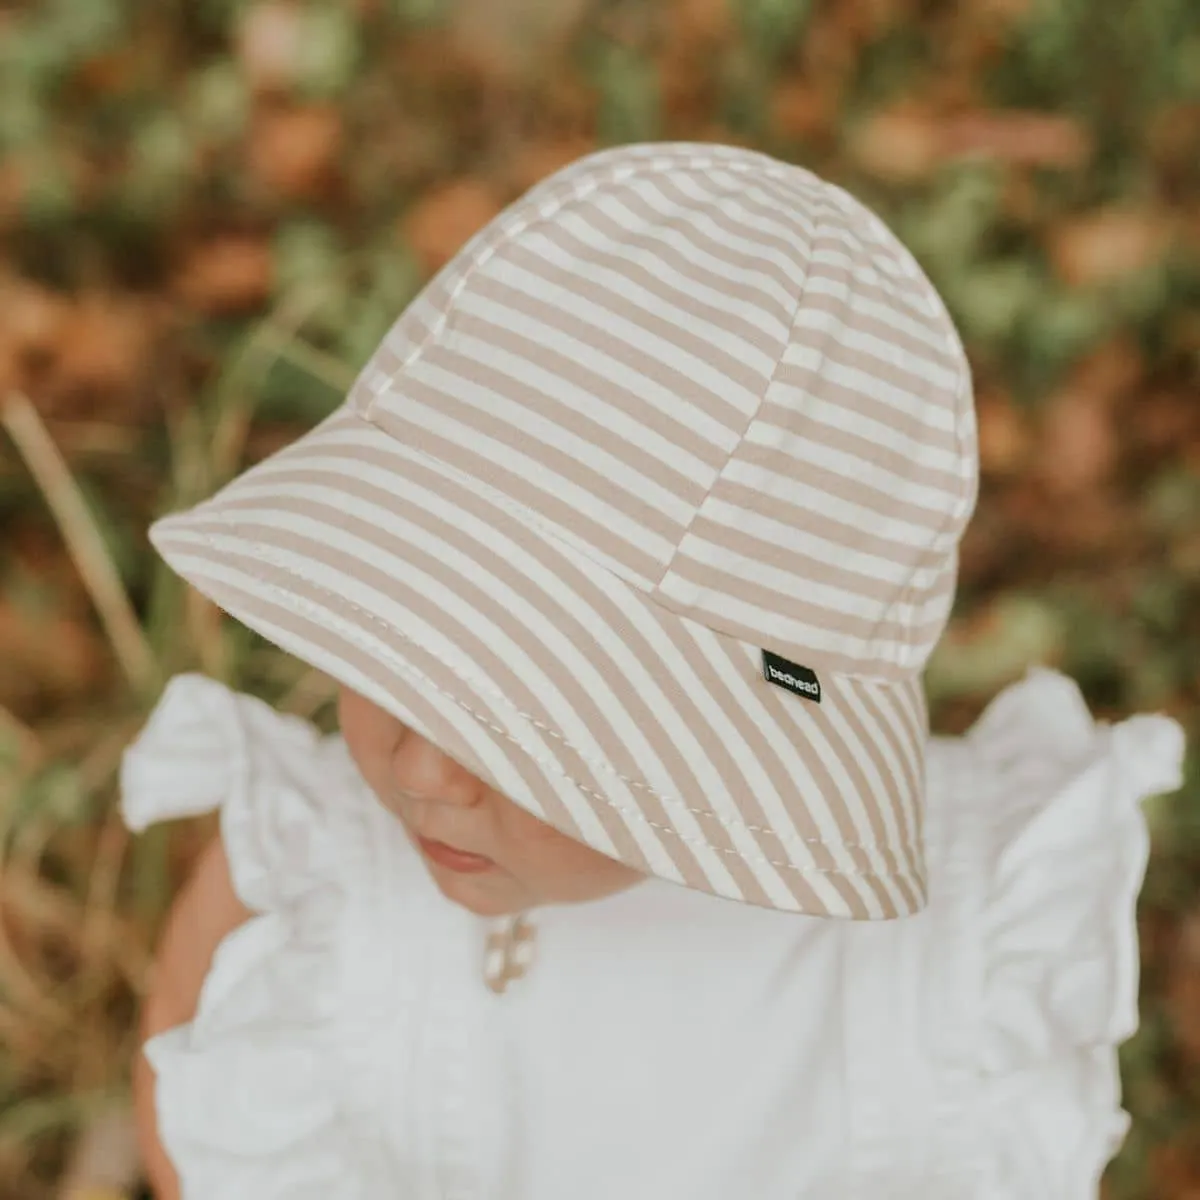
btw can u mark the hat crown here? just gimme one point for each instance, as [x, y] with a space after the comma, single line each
[720, 377]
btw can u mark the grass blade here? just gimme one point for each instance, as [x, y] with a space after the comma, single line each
[83, 541]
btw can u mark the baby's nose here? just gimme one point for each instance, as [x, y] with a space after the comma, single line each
[420, 769]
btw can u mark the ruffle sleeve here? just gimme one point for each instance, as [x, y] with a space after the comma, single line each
[1044, 849]
[247, 1092]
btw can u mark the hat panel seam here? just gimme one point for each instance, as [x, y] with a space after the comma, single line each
[741, 437]
[583, 188]
[692, 609]
[937, 310]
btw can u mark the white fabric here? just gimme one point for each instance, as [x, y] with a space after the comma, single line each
[665, 1043]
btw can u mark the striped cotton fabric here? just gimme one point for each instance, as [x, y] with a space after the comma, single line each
[677, 405]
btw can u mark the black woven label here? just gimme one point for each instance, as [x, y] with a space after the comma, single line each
[791, 676]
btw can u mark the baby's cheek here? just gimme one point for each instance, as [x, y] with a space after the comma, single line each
[553, 866]
[573, 871]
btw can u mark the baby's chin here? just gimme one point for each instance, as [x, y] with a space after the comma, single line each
[492, 895]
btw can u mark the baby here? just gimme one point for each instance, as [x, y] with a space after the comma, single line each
[628, 548]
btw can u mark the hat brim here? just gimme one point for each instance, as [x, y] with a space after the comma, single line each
[643, 734]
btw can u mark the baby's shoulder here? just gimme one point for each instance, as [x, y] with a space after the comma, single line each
[1037, 809]
[295, 814]
[1040, 730]
[1023, 965]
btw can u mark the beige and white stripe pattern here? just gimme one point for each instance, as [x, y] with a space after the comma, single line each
[677, 405]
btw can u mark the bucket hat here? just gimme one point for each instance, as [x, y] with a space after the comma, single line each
[645, 511]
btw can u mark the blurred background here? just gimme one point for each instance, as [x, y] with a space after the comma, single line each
[210, 212]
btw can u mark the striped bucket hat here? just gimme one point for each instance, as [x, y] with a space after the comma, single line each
[645, 511]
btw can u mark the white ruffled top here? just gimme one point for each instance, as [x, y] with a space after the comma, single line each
[664, 1043]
